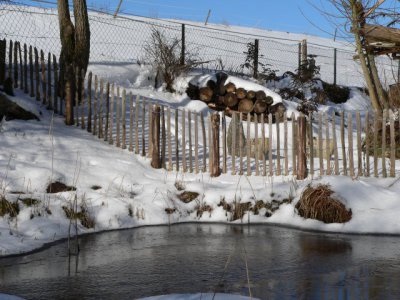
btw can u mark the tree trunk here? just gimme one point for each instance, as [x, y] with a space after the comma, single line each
[364, 66]
[67, 56]
[82, 42]
[382, 95]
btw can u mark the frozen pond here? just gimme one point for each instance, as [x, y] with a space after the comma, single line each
[191, 258]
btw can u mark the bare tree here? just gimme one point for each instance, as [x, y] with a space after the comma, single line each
[75, 51]
[356, 13]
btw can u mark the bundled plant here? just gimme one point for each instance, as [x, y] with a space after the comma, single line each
[165, 57]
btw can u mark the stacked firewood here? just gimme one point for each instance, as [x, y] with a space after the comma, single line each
[229, 98]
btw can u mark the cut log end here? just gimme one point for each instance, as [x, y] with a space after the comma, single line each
[245, 106]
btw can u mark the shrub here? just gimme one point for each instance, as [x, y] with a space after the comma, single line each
[165, 57]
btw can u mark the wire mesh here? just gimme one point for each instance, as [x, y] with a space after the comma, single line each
[122, 40]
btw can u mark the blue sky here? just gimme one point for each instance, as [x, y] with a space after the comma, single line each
[284, 15]
[299, 16]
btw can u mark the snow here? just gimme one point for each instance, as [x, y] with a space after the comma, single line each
[217, 296]
[9, 297]
[132, 194]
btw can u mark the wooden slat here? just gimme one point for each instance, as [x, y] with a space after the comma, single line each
[163, 139]
[31, 71]
[233, 133]
[359, 145]
[343, 142]
[26, 85]
[95, 108]
[248, 147]
[55, 83]
[367, 144]
[311, 144]
[112, 110]
[278, 146]
[130, 122]
[123, 112]
[118, 120]
[320, 145]
[190, 141]
[184, 166]
[169, 139]
[143, 127]
[264, 160]
[196, 143]
[76, 104]
[256, 146]
[150, 128]
[350, 142]
[224, 150]
[21, 68]
[376, 145]
[107, 116]
[101, 109]
[44, 80]
[10, 52]
[285, 144]
[294, 145]
[203, 128]
[383, 154]
[37, 78]
[50, 99]
[327, 145]
[82, 91]
[241, 144]
[15, 81]
[271, 169]
[392, 145]
[335, 146]
[137, 111]
[89, 93]
[176, 140]
[210, 144]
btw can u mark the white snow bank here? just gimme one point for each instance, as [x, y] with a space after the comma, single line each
[208, 296]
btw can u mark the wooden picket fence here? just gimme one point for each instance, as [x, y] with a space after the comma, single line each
[345, 143]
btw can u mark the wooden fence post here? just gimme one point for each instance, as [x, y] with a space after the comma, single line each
[37, 74]
[320, 145]
[367, 143]
[215, 123]
[89, 92]
[224, 150]
[311, 144]
[278, 146]
[256, 146]
[241, 143]
[190, 141]
[101, 108]
[184, 141]
[3, 46]
[359, 145]
[32, 86]
[383, 154]
[176, 139]
[16, 65]
[335, 146]
[44, 83]
[21, 67]
[196, 143]
[95, 105]
[350, 142]
[203, 129]
[271, 169]
[169, 134]
[137, 110]
[248, 146]
[55, 92]
[302, 139]
[392, 145]
[294, 146]
[183, 45]
[26, 89]
[233, 125]
[143, 127]
[343, 142]
[155, 157]
[112, 100]
[375, 143]
[10, 61]
[255, 58]
[264, 160]
[130, 122]
[123, 111]
[50, 102]
[82, 91]
[163, 139]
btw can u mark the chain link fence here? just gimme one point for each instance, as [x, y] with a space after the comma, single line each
[121, 40]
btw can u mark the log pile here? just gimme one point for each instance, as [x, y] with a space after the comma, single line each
[229, 98]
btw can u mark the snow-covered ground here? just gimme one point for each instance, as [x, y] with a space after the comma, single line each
[33, 154]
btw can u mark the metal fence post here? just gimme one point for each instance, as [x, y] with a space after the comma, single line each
[334, 66]
[183, 48]
[256, 50]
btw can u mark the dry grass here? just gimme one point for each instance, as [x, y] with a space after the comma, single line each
[83, 215]
[187, 197]
[317, 203]
[7, 207]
